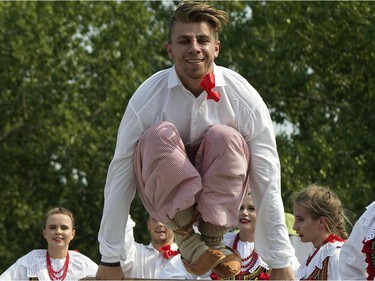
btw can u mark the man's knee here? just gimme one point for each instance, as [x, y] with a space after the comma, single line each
[162, 130]
[164, 134]
[222, 134]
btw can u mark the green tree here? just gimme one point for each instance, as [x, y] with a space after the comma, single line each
[67, 70]
[313, 64]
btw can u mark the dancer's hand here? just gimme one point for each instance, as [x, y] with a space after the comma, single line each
[109, 273]
[282, 274]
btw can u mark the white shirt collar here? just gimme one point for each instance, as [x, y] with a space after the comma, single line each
[174, 80]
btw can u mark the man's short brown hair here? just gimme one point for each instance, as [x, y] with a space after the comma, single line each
[193, 11]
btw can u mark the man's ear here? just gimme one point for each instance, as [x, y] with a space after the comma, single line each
[168, 47]
[217, 49]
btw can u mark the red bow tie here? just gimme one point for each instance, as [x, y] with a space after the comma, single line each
[167, 252]
[208, 83]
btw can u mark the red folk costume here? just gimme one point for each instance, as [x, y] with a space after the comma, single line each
[357, 257]
[369, 251]
[317, 266]
[369, 241]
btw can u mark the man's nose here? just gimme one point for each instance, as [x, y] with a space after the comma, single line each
[194, 46]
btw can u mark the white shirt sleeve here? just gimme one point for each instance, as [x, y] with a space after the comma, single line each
[271, 235]
[128, 264]
[333, 266]
[119, 190]
[352, 260]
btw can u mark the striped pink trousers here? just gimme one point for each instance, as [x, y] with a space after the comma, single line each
[215, 180]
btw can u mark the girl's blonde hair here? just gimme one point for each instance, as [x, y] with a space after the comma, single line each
[58, 210]
[319, 201]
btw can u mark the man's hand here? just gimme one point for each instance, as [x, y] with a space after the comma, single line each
[282, 274]
[109, 273]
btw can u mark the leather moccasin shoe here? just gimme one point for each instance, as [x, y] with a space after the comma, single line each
[206, 262]
[229, 266]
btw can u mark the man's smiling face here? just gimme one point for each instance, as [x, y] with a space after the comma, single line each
[193, 48]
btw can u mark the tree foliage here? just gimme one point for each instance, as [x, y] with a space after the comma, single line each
[67, 70]
[312, 63]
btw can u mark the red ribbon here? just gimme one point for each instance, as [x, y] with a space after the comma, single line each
[167, 252]
[208, 83]
[263, 276]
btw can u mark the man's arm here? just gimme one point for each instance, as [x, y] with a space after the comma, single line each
[352, 260]
[129, 264]
[109, 273]
[271, 236]
[119, 190]
[282, 274]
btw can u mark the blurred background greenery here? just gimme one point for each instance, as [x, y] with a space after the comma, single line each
[68, 69]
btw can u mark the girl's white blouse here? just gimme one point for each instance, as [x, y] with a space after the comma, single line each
[34, 264]
[331, 250]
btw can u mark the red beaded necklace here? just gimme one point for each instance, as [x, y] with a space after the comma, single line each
[252, 258]
[62, 272]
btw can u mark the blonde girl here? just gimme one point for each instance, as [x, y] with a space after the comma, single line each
[320, 219]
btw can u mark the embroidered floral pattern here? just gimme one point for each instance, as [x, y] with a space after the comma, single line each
[369, 251]
[252, 267]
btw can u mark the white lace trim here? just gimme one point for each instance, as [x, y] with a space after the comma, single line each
[327, 250]
[245, 249]
[369, 222]
[79, 265]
